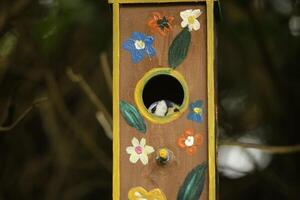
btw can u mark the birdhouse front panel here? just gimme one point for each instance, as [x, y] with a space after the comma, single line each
[162, 92]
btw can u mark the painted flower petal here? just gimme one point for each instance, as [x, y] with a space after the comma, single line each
[139, 151]
[189, 19]
[185, 14]
[149, 149]
[139, 45]
[188, 132]
[170, 19]
[134, 157]
[144, 158]
[184, 23]
[192, 116]
[180, 142]
[192, 106]
[129, 45]
[150, 51]
[137, 56]
[152, 23]
[156, 15]
[137, 36]
[130, 150]
[198, 103]
[158, 194]
[195, 117]
[135, 142]
[191, 150]
[160, 24]
[196, 25]
[142, 142]
[190, 26]
[148, 40]
[139, 193]
[161, 32]
[196, 13]
[198, 118]
[136, 193]
[198, 139]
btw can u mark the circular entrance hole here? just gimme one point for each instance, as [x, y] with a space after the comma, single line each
[162, 95]
[163, 87]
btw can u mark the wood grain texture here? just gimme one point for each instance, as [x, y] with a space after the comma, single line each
[170, 177]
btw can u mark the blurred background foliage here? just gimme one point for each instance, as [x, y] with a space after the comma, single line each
[55, 100]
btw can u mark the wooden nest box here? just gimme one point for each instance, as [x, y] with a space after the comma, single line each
[164, 99]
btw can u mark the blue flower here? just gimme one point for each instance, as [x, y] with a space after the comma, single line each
[196, 111]
[139, 45]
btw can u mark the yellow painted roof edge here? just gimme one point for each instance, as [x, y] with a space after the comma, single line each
[153, 1]
[217, 4]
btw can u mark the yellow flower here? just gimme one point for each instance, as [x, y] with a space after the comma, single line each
[139, 193]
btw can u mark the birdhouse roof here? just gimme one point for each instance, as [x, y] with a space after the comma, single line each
[217, 3]
[154, 1]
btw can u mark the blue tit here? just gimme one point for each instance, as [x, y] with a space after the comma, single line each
[163, 108]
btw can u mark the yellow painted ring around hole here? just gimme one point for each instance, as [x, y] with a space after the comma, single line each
[138, 94]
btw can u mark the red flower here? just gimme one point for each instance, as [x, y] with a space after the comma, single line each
[160, 24]
[189, 141]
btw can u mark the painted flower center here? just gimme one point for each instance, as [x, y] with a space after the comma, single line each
[163, 153]
[138, 149]
[191, 19]
[197, 110]
[189, 141]
[163, 23]
[139, 44]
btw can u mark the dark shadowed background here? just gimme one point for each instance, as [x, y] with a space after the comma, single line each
[55, 99]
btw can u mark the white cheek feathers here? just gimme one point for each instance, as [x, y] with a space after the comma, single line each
[163, 108]
[159, 108]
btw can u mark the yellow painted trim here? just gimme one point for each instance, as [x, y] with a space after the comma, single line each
[116, 128]
[211, 101]
[138, 95]
[152, 1]
[210, 90]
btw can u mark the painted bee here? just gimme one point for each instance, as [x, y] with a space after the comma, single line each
[163, 108]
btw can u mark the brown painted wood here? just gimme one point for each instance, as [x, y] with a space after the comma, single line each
[134, 18]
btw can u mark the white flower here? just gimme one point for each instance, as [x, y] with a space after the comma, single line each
[139, 151]
[190, 19]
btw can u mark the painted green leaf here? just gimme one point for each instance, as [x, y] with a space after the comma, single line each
[193, 184]
[132, 116]
[179, 48]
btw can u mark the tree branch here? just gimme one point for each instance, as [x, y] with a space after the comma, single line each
[90, 93]
[264, 148]
[23, 115]
[106, 71]
[80, 132]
